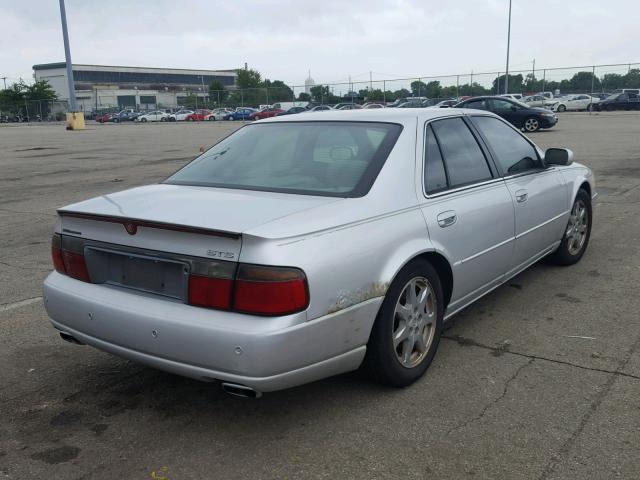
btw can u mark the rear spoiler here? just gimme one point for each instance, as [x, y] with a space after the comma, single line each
[131, 224]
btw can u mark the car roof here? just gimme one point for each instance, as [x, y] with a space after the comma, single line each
[391, 115]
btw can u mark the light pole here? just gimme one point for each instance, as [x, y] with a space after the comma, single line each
[506, 75]
[67, 53]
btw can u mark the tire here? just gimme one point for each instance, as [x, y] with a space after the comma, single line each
[531, 124]
[575, 239]
[562, 108]
[211, 119]
[143, 120]
[115, 120]
[590, 107]
[399, 364]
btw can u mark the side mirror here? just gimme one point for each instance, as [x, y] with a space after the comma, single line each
[558, 156]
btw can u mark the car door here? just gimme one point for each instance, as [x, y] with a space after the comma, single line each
[510, 111]
[467, 209]
[539, 194]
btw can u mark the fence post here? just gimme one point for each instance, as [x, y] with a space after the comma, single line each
[593, 76]
[544, 78]
[471, 83]
[419, 85]
[384, 91]
[457, 86]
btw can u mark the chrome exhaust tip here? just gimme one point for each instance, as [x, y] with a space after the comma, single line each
[67, 337]
[240, 390]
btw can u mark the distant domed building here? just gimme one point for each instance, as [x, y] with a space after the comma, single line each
[308, 83]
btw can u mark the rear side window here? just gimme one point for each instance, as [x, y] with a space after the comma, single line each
[514, 153]
[465, 162]
[435, 178]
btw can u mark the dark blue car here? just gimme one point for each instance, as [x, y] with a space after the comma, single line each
[240, 114]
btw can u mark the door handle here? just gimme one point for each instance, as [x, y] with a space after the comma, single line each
[521, 196]
[446, 219]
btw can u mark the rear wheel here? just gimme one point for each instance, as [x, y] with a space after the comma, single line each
[143, 120]
[562, 108]
[531, 124]
[406, 333]
[576, 236]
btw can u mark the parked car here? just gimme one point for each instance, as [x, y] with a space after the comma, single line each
[103, 117]
[348, 106]
[573, 103]
[513, 96]
[124, 116]
[292, 111]
[412, 104]
[619, 101]
[215, 272]
[265, 113]
[401, 100]
[218, 114]
[155, 116]
[445, 104]
[197, 116]
[320, 108]
[521, 115]
[240, 114]
[537, 101]
[180, 115]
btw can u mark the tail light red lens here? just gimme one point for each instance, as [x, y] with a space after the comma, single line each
[67, 262]
[75, 266]
[56, 254]
[210, 292]
[265, 290]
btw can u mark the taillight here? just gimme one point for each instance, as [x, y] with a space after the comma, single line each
[68, 262]
[210, 292]
[253, 289]
[266, 290]
[56, 254]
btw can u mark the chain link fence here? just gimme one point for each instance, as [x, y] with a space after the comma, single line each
[592, 79]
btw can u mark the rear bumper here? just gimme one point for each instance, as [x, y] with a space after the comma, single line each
[262, 353]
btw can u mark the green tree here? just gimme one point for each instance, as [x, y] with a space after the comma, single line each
[304, 97]
[277, 91]
[248, 78]
[515, 83]
[418, 88]
[581, 82]
[217, 91]
[40, 90]
[320, 93]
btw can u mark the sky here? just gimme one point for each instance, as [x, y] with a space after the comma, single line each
[334, 39]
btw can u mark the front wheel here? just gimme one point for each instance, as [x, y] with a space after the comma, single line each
[406, 333]
[562, 108]
[143, 120]
[531, 124]
[576, 236]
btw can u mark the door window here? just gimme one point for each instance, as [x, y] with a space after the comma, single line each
[464, 160]
[513, 152]
[502, 105]
[477, 105]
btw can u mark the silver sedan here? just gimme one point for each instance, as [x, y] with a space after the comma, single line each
[301, 247]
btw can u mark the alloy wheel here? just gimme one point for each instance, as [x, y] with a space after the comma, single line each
[414, 322]
[531, 125]
[577, 228]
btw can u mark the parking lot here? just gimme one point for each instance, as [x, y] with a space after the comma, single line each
[538, 380]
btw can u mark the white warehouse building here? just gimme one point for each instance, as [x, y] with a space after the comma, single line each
[100, 86]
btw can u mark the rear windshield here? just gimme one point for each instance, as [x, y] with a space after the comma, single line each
[340, 159]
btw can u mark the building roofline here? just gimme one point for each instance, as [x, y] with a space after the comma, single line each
[51, 66]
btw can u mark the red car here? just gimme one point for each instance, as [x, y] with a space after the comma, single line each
[103, 117]
[266, 113]
[197, 116]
